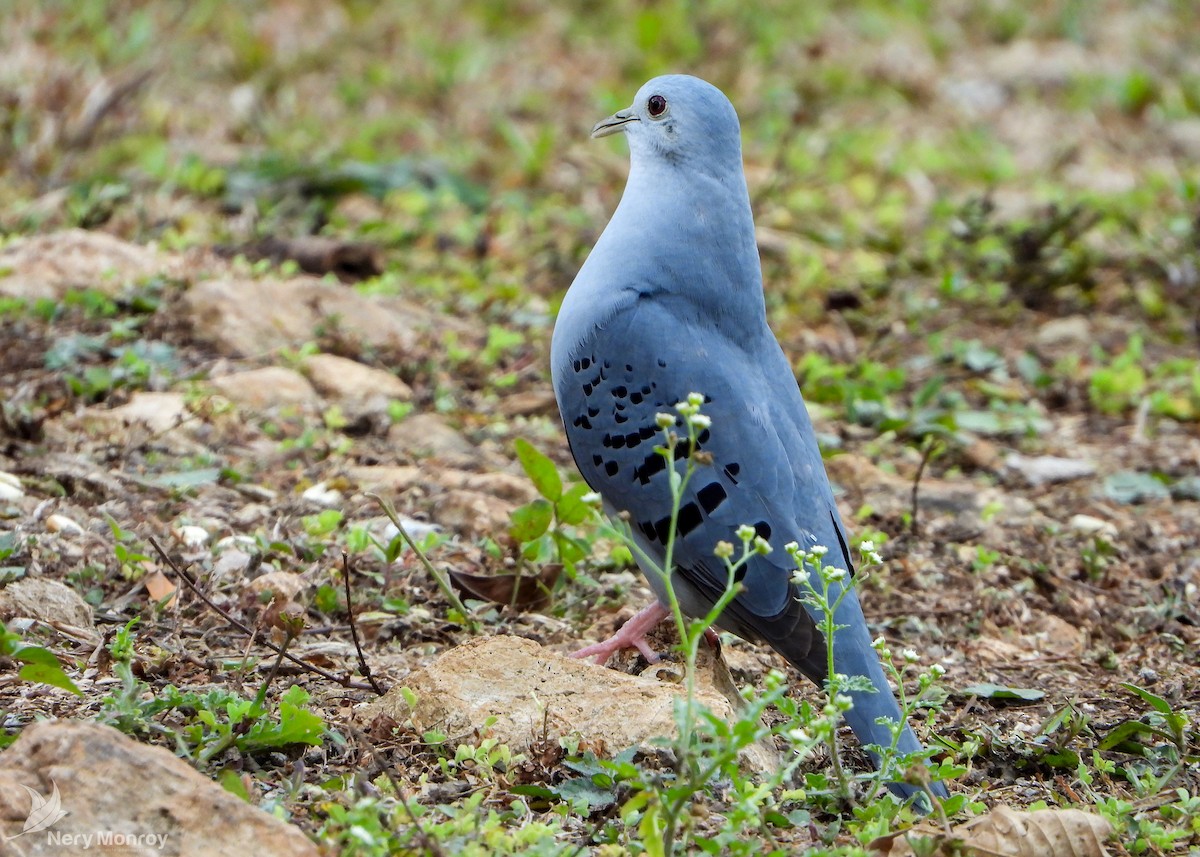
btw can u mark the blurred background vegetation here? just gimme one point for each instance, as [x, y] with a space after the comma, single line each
[464, 124]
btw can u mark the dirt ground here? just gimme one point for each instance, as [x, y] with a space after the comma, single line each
[1004, 288]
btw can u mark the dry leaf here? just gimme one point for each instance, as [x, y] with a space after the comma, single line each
[1005, 832]
[525, 592]
[159, 586]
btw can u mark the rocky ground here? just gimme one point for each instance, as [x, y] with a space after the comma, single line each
[981, 250]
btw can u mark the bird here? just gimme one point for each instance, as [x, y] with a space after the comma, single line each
[668, 303]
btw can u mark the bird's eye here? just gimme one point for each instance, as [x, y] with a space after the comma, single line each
[656, 105]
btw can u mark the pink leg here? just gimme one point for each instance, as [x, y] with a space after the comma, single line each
[630, 635]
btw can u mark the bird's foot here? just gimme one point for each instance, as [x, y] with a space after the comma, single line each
[630, 635]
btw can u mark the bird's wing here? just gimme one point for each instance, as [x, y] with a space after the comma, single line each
[766, 470]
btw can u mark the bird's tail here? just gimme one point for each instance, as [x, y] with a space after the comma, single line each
[853, 655]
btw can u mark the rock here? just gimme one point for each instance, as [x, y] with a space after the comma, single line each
[158, 412]
[48, 266]
[1046, 469]
[472, 513]
[191, 536]
[1089, 525]
[266, 388]
[398, 479]
[245, 318]
[58, 523]
[113, 786]
[1072, 330]
[386, 479]
[322, 495]
[429, 436]
[539, 695]
[361, 390]
[10, 487]
[528, 403]
[45, 600]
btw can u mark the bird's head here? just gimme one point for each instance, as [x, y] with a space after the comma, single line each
[679, 119]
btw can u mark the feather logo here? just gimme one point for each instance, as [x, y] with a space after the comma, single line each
[43, 812]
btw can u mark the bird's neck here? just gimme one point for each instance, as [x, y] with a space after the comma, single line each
[694, 233]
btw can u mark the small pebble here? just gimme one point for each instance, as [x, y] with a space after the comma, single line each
[62, 524]
[10, 487]
[1090, 525]
[323, 496]
[192, 536]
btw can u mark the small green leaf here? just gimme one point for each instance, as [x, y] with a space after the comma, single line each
[1125, 733]
[531, 521]
[1156, 702]
[540, 470]
[570, 508]
[999, 691]
[232, 782]
[51, 674]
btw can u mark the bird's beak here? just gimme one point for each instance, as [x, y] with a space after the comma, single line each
[614, 123]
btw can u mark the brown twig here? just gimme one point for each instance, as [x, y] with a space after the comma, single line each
[345, 680]
[364, 668]
[427, 842]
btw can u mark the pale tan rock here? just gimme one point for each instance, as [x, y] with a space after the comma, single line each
[429, 436]
[45, 600]
[359, 389]
[396, 479]
[47, 266]
[386, 478]
[269, 387]
[537, 694]
[107, 782]
[284, 585]
[158, 412]
[59, 523]
[472, 513]
[10, 487]
[252, 317]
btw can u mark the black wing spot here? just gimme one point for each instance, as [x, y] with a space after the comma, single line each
[661, 528]
[633, 439]
[647, 388]
[702, 438]
[583, 422]
[593, 412]
[628, 367]
[611, 468]
[587, 389]
[635, 397]
[763, 529]
[648, 432]
[689, 518]
[732, 470]
[662, 364]
[620, 417]
[597, 459]
[711, 496]
[620, 392]
[740, 574]
[577, 366]
[585, 362]
[653, 464]
[647, 529]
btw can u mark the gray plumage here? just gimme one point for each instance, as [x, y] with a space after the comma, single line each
[669, 302]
